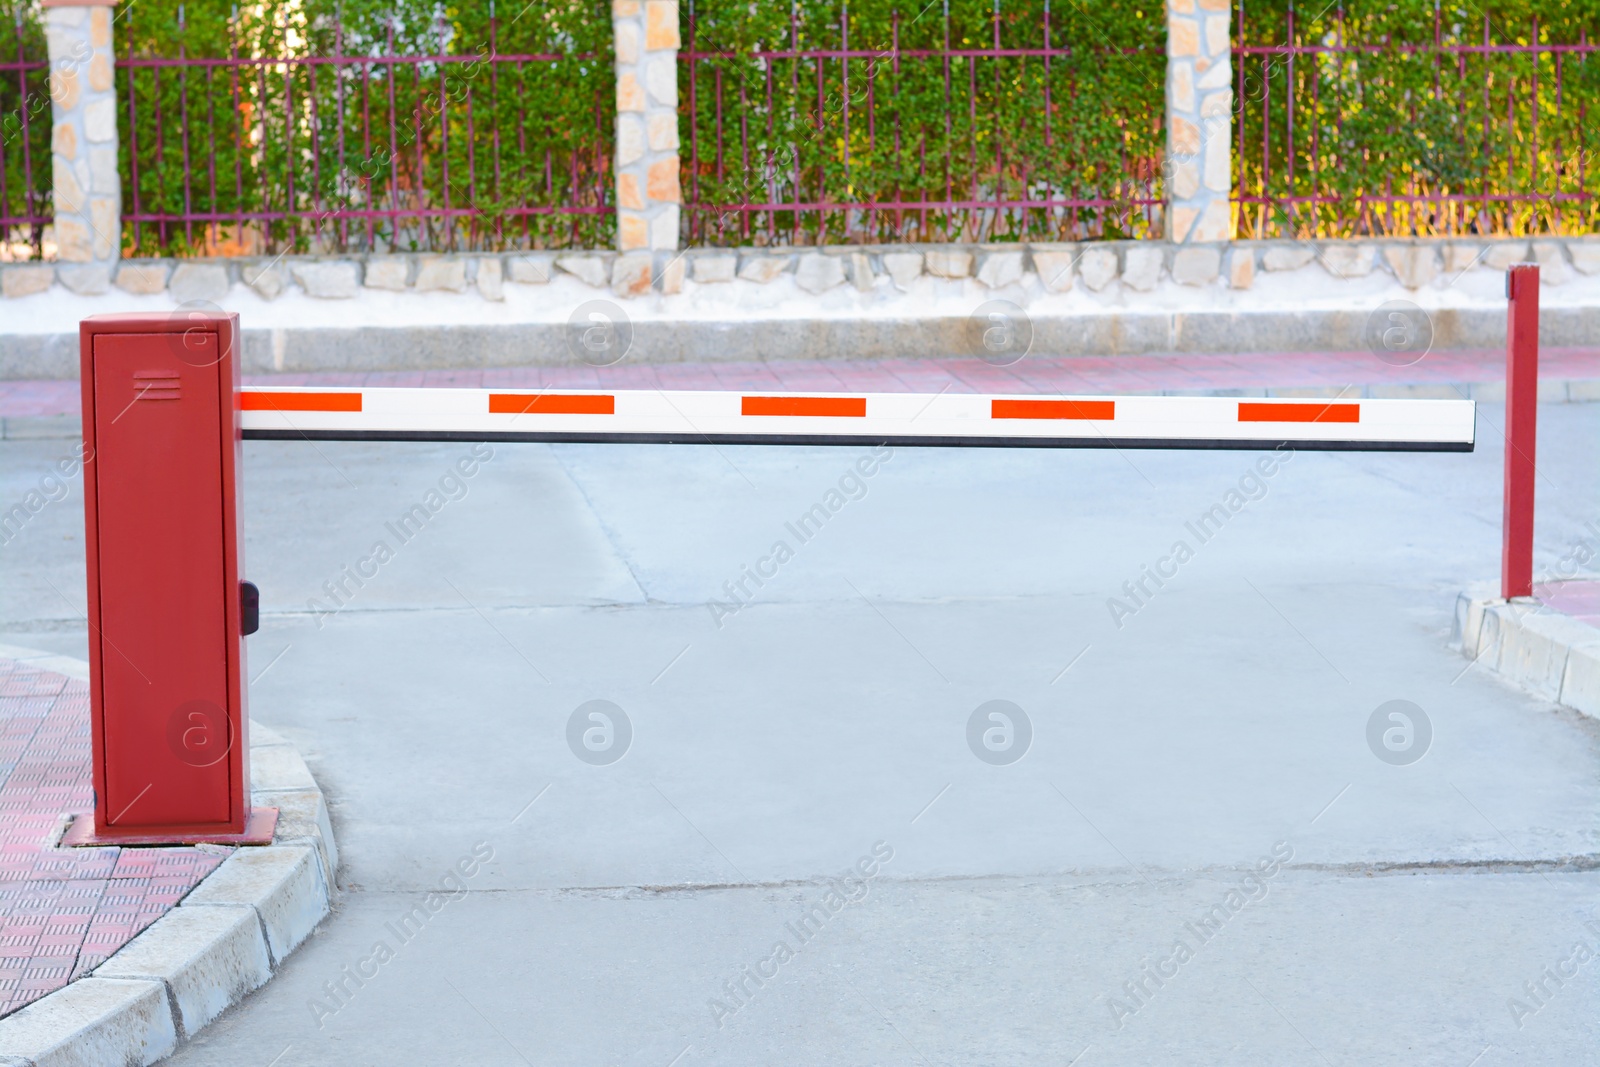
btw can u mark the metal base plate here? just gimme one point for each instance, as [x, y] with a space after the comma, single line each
[258, 830]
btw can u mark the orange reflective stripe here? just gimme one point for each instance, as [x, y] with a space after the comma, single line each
[254, 401]
[1259, 412]
[1053, 409]
[552, 404]
[849, 407]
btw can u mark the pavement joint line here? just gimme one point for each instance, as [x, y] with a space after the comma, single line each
[1585, 863]
[1498, 832]
[496, 629]
[1137, 869]
[697, 830]
[55, 1028]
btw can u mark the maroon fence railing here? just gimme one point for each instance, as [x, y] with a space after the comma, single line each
[25, 166]
[830, 131]
[1344, 130]
[364, 145]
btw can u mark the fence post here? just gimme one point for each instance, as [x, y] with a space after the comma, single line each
[648, 191]
[1522, 416]
[1199, 170]
[83, 142]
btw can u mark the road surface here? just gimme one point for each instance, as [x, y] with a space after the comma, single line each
[801, 769]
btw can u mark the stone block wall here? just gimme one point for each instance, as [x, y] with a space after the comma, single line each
[648, 193]
[1199, 121]
[1110, 268]
[83, 142]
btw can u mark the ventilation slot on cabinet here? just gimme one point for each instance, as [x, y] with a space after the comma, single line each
[155, 385]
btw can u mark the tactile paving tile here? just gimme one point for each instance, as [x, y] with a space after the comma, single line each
[63, 912]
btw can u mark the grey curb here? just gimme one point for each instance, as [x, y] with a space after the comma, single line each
[1549, 654]
[223, 940]
[1109, 331]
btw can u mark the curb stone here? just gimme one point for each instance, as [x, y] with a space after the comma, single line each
[223, 940]
[366, 338]
[1551, 655]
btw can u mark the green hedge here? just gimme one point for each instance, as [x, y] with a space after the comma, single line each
[980, 136]
[24, 145]
[1420, 124]
[1415, 125]
[506, 135]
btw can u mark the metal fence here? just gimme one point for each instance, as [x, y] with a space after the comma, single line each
[1467, 126]
[25, 168]
[332, 138]
[811, 123]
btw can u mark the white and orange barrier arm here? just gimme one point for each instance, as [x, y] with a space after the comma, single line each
[691, 417]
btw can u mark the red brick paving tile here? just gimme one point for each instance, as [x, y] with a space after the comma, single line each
[637, 377]
[39, 397]
[743, 376]
[808, 377]
[1578, 598]
[65, 911]
[453, 379]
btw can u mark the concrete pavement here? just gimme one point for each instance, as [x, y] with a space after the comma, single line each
[623, 909]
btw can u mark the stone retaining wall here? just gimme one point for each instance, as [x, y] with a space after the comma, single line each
[410, 312]
[1136, 266]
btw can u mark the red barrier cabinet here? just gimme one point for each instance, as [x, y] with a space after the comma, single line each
[167, 610]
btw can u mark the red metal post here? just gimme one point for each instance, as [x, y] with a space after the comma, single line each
[1522, 414]
[167, 610]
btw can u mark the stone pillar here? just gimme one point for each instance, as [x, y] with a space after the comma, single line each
[1199, 121]
[648, 194]
[83, 144]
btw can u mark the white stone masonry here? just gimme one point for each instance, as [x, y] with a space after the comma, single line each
[88, 189]
[1199, 121]
[648, 193]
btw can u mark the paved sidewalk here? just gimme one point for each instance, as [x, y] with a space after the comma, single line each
[1577, 598]
[65, 911]
[1573, 373]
